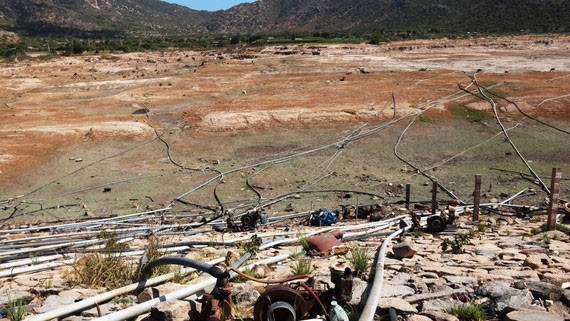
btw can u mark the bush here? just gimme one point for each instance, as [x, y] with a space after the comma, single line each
[360, 260]
[303, 266]
[467, 312]
[456, 244]
[16, 310]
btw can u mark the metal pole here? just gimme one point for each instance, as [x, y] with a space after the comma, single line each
[434, 198]
[408, 191]
[554, 195]
[477, 198]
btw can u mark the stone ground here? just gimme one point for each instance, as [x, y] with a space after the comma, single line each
[509, 268]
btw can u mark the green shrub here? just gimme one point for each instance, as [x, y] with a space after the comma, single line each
[360, 259]
[303, 266]
[467, 312]
[456, 244]
[16, 310]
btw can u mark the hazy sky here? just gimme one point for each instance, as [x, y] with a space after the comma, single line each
[210, 5]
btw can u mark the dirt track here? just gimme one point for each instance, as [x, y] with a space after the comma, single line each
[232, 106]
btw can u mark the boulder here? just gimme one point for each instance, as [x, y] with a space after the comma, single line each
[398, 304]
[544, 290]
[533, 261]
[437, 305]
[261, 271]
[174, 310]
[440, 316]
[404, 250]
[245, 293]
[390, 290]
[523, 315]
[417, 317]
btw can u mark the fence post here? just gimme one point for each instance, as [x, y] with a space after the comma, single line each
[477, 198]
[434, 198]
[554, 195]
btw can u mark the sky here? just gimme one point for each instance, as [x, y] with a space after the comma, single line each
[210, 5]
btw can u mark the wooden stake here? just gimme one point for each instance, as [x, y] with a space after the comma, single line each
[554, 195]
[408, 190]
[477, 198]
[434, 198]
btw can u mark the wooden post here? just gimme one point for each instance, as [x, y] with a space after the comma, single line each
[477, 198]
[408, 189]
[554, 194]
[434, 198]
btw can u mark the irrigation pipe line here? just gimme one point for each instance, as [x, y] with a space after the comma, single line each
[553, 98]
[426, 107]
[338, 144]
[180, 294]
[527, 115]
[494, 108]
[376, 291]
[76, 171]
[431, 178]
[103, 297]
[90, 222]
[34, 260]
[33, 268]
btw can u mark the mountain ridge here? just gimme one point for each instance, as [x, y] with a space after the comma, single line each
[155, 17]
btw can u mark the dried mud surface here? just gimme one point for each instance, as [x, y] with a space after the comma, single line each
[70, 126]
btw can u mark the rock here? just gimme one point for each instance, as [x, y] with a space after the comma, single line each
[440, 316]
[517, 274]
[543, 290]
[533, 261]
[565, 298]
[514, 300]
[147, 295]
[401, 278]
[556, 278]
[53, 302]
[398, 304]
[494, 289]
[461, 279]
[558, 308]
[261, 271]
[404, 250]
[437, 305]
[174, 310]
[430, 296]
[168, 288]
[246, 293]
[390, 290]
[487, 249]
[417, 317]
[532, 316]
[358, 289]
[231, 258]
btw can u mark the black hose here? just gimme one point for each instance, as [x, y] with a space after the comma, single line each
[186, 262]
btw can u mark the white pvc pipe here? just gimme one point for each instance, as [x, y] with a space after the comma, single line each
[89, 302]
[34, 260]
[180, 294]
[376, 290]
[34, 268]
[78, 224]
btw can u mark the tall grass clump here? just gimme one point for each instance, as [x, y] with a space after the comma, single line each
[16, 310]
[303, 266]
[467, 312]
[107, 268]
[360, 259]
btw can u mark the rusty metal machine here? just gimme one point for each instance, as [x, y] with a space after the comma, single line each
[291, 299]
